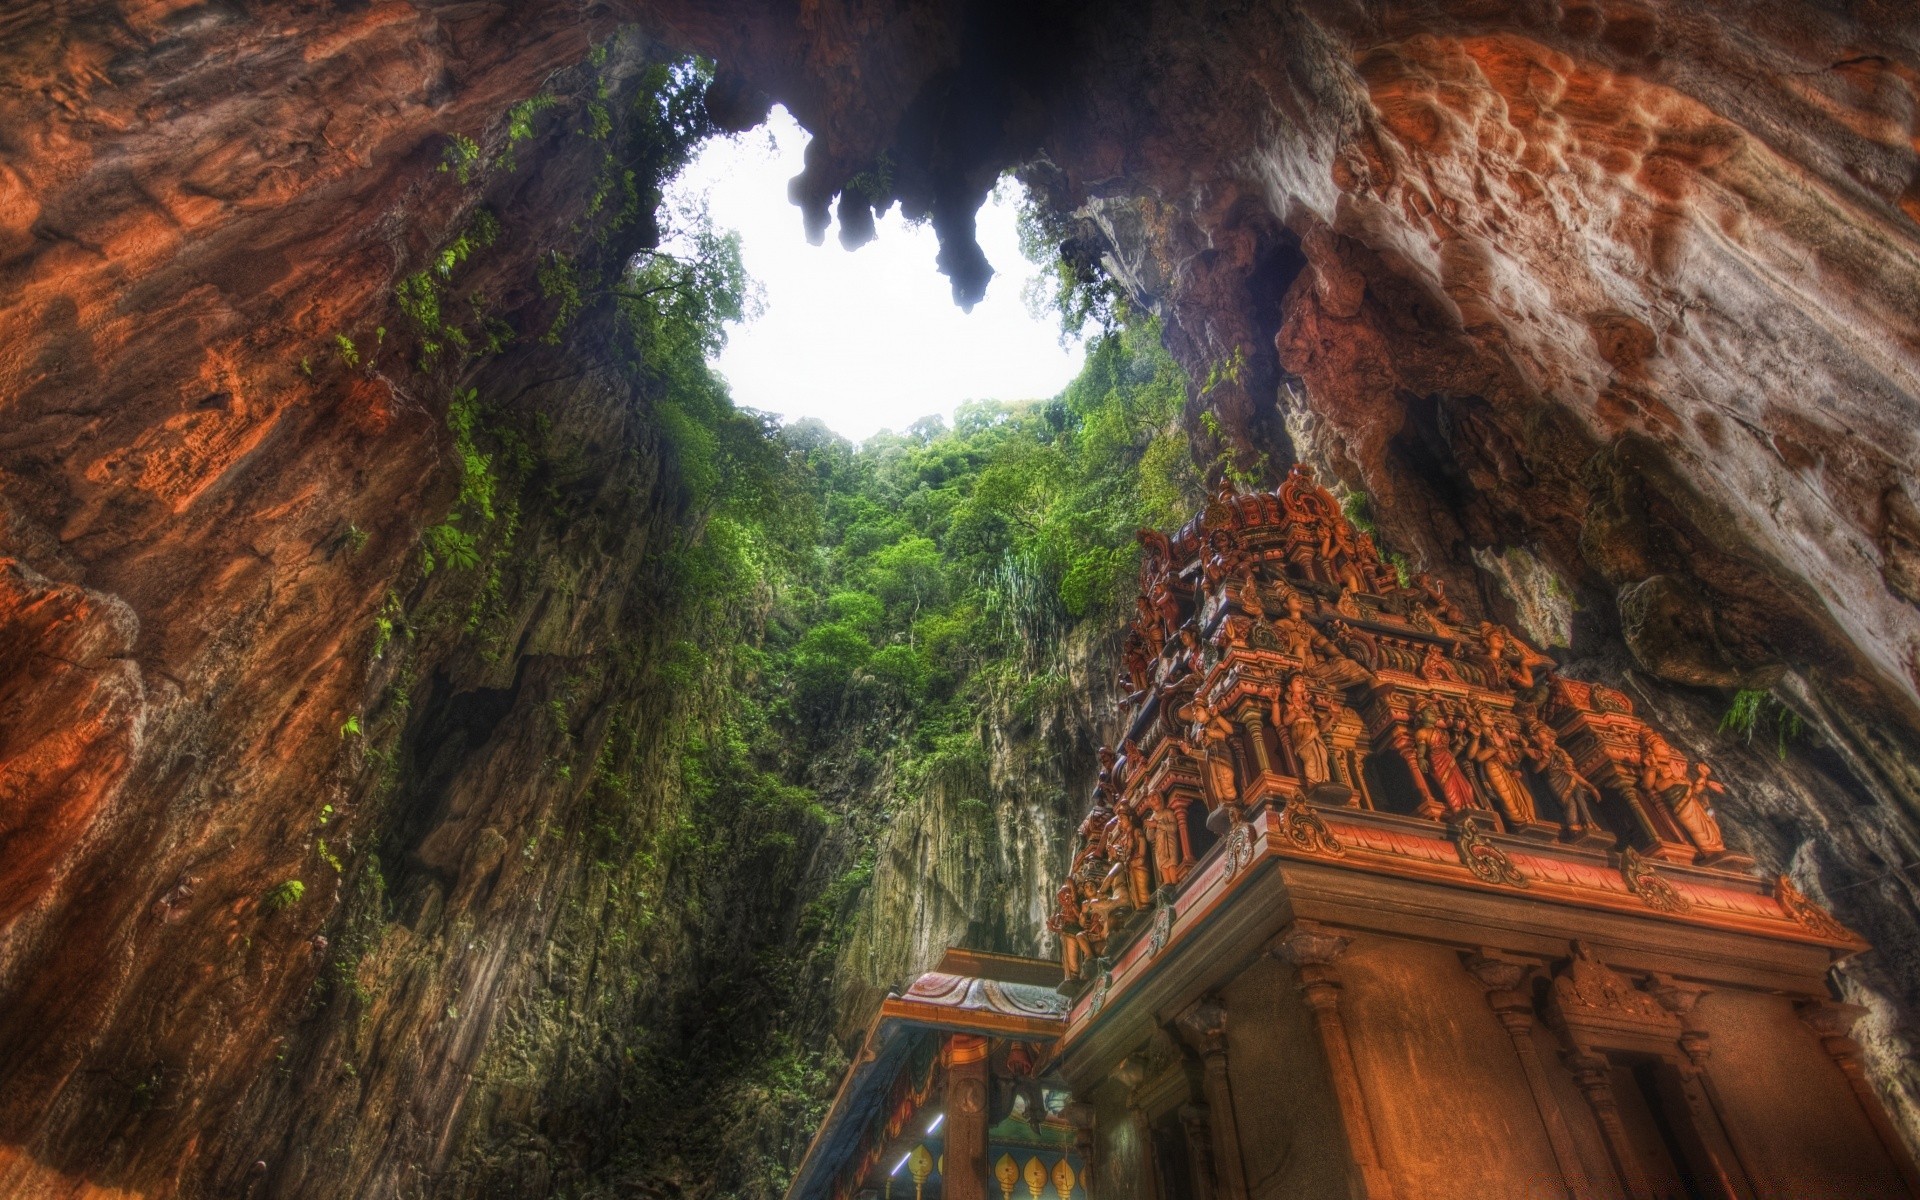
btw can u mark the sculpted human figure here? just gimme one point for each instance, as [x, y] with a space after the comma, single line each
[1326, 662]
[1092, 834]
[1573, 790]
[1435, 591]
[1224, 560]
[1163, 834]
[1433, 747]
[1127, 851]
[1212, 735]
[1498, 761]
[1191, 657]
[1293, 712]
[1165, 604]
[1138, 674]
[1131, 760]
[1146, 624]
[1070, 924]
[1341, 556]
[1663, 774]
[1508, 659]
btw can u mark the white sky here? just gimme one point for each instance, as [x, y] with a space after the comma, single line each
[869, 339]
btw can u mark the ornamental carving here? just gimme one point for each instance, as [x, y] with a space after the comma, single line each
[1305, 830]
[1278, 669]
[1162, 929]
[1487, 861]
[1588, 984]
[1805, 912]
[1647, 884]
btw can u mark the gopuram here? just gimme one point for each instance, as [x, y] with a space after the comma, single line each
[1372, 901]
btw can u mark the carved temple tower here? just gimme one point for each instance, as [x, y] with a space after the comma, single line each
[1373, 902]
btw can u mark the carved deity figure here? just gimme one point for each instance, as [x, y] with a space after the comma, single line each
[1190, 659]
[1132, 758]
[1326, 662]
[1663, 775]
[1341, 556]
[1146, 624]
[1224, 560]
[1433, 748]
[1293, 712]
[1574, 791]
[1508, 660]
[1092, 834]
[1138, 675]
[1070, 924]
[1498, 760]
[1163, 834]
[1435, 593]
[1252, 602]
[1165, 604]
[1296, 633]
[1213, 736]
[1127, 851]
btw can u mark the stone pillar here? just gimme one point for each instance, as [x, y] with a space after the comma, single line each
[1195, 1122]
[1722, 1150]
[965, 1175]
[1204, 1026]
[1503, 980]
[1080, 1115]
[1256, 736]
[1312, 950]
[1593, 1073]
[1131, 1073]
[1834, 1024]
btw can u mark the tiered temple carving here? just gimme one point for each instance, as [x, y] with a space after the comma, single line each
[1276, 660]
[1372, 900]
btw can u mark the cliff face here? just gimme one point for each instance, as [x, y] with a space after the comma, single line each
[1610, 303]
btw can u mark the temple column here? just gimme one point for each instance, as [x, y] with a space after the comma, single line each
[1196, 1123]
[1080, 1115]
[965, 1174]
[1834, 1024]
[1204, 1026]
[1312, 951]
[1593, 1073]
[1257, 738]
[1721, 1149]
[1130, 1074]
[1502, 980]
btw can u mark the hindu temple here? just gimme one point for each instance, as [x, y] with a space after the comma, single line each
[1373, 901]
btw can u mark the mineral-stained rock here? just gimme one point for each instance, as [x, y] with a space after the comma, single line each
[1627, 284]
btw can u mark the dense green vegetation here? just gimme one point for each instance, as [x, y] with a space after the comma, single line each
[926, 576]
[857, 616]
[822, 631]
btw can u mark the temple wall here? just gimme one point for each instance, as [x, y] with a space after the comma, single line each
[1120, 1168]
[1592, 1148]
[1795, 1122]
[1290, 1134]
[1450, 1105]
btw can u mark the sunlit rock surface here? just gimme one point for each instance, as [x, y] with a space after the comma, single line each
[1630, 288]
